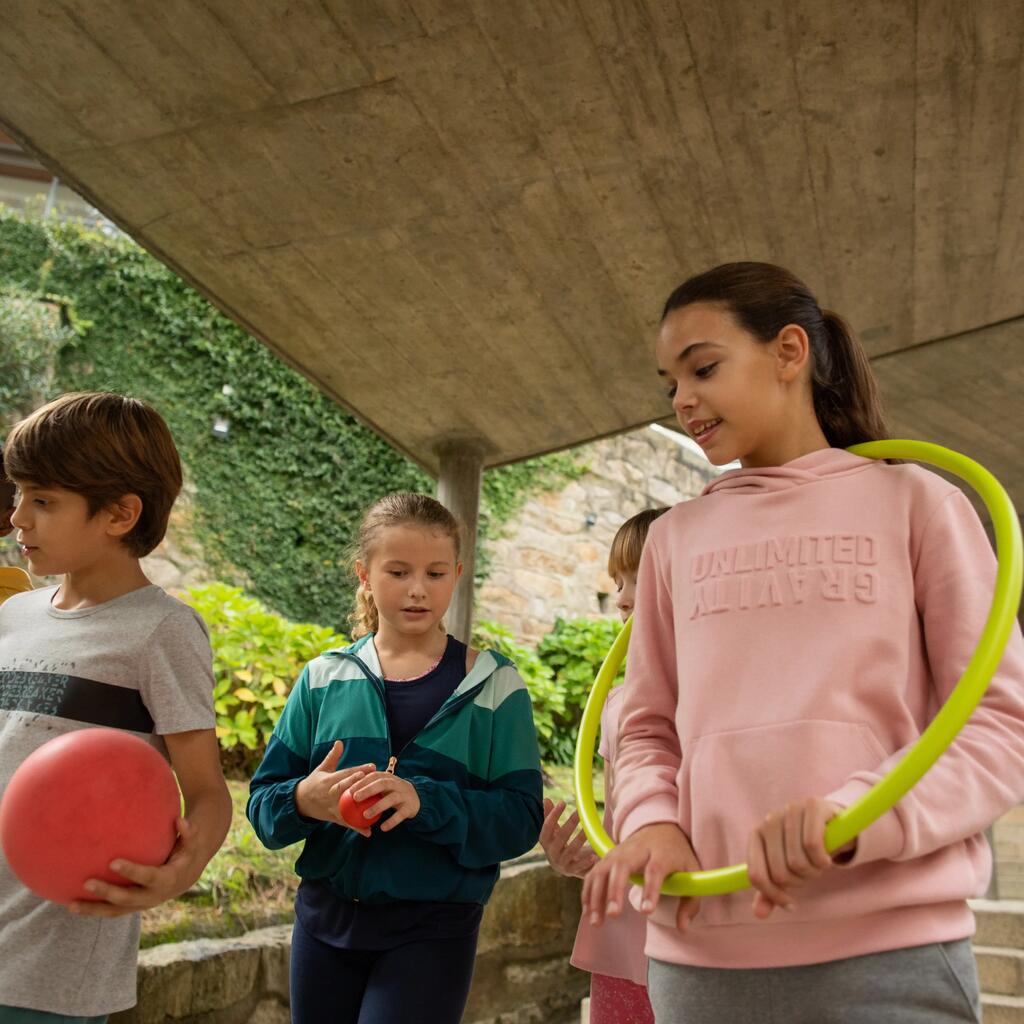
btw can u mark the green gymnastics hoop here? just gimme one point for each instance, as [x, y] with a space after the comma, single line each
[929, 746]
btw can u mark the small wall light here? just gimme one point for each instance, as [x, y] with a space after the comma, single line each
[590, 519]
[221, 427]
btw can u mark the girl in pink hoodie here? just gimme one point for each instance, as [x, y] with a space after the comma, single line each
[796, 628]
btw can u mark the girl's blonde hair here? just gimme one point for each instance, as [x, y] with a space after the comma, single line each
[628, 543]
[404, 508]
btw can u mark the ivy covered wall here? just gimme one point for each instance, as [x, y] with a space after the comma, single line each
[278, 499]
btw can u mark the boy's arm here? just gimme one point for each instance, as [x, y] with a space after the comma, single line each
[196, 762]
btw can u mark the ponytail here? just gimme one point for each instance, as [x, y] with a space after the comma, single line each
[364, 619]
[845, 393]
[763, 299]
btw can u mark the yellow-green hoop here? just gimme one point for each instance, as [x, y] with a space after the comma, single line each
[933, 741]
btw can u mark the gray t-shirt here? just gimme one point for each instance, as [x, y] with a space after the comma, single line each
[141, 663]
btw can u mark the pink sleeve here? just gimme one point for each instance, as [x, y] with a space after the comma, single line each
[648, 756]
[981, 775]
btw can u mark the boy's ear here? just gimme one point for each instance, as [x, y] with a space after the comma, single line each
[362, 574]
[124, 514]
[792, 351]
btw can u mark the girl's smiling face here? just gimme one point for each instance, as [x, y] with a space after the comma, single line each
[730, 392]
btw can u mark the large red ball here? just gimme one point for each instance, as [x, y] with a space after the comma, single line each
[351, 810]
[82, 800]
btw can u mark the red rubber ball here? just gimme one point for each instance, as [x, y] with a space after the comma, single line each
[82, 800]
[352, 809]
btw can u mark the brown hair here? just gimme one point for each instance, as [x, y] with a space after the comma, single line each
[628, 543]
[763, 299]
[102, 446]
[404, 508]
[7, 489]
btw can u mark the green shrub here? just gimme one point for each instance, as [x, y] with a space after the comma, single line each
[548, 703]
[573, 652]
[257, 656]
[559, 675]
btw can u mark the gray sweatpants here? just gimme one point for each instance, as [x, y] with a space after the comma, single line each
[935, 984]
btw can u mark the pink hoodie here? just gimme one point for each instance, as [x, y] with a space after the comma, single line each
[796, 629]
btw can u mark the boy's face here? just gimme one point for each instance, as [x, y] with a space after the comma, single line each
[56, 534]
[625, 593]
[7, 490]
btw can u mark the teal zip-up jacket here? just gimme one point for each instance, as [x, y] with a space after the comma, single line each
[475, 766]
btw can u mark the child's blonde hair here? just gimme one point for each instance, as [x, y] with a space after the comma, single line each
[628, 543]
[404, 508]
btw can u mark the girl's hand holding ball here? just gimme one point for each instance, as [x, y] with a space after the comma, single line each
[316, 796]
[395, 794]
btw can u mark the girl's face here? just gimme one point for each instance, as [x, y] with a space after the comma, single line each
[411, 574]
[730, 392]
[625, 592]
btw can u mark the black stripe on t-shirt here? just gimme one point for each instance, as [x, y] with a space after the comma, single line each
[75, 698]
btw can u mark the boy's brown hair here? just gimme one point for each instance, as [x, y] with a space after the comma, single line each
[628, 543]
[102, 446]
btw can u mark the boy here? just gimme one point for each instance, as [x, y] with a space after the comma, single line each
[12, 579]
[97, 475]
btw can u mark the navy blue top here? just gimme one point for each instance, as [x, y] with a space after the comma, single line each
[412, 703]
[346, 924]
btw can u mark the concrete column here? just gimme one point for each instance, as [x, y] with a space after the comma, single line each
[458, 489]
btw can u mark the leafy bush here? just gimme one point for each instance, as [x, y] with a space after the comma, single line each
[548, 703]
[257, 656]
[31, 336]
[572, 653]
[559, 675]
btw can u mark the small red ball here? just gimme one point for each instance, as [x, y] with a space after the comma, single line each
[82, 800]
[351, 810]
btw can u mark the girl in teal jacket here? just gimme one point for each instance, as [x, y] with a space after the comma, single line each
[439, 738]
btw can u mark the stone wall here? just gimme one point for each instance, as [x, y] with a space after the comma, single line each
[522, 972]
[552, 560]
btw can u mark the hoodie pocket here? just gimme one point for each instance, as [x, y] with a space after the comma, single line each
[735, 778]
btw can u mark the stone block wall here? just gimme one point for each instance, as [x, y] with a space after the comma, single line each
[551, 561]
[522, 973]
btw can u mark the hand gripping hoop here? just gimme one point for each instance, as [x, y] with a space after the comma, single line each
[933, 741]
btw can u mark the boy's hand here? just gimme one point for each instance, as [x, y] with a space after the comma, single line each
[788, 849]
[656, 851]
[153, 885]
[567, 854]
[397, 794]
[317, 795]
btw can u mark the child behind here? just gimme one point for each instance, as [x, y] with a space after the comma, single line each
[97, 475]
[614, 954]
[796, 628]
[387, 916]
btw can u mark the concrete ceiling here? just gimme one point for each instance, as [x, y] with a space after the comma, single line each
[460, 217]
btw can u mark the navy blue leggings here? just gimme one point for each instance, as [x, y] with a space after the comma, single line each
[418, 983]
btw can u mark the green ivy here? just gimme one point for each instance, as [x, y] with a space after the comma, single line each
[279, 499]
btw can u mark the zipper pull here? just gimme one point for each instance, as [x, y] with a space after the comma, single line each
[391, 765]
